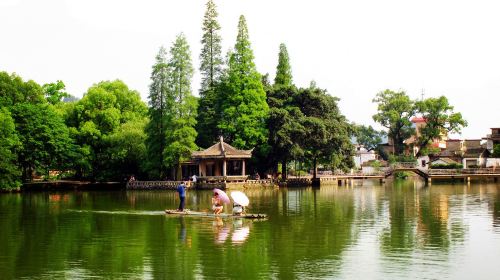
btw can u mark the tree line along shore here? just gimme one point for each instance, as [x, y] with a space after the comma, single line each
[110, 133]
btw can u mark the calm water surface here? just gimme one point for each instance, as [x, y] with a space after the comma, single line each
[400, 230]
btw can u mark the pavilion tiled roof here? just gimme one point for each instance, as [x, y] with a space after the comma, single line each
[222, 150]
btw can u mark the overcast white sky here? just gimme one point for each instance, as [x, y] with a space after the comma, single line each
[352, 48]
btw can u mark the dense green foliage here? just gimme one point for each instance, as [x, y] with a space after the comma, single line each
[439, 120]
[285, 127]
[9, 142]
[54, 92]
[369, 137]
[108, 112]
[40, 140]
[394, 110]
[45, 139]
[327, 137]
[496, 151]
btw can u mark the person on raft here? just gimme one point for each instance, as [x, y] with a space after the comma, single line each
[181, 189]
[216, 204]
[238, 209]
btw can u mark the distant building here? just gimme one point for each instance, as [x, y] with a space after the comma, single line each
[492, 139]
[362, 156]
[469, 152]
[418, 124]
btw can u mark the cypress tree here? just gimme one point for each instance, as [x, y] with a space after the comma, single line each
[243, 104]
[181, 134]
[210, 56]
[211, 71]
[282, 120]
[155, 130]
[283, 70]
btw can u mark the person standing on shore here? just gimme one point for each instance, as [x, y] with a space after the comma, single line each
[181, 189]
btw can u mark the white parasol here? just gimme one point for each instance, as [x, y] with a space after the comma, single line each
[240, 198]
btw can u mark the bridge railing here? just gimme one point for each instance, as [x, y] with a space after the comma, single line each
[152, 185]
[397, 165]
[471, 171]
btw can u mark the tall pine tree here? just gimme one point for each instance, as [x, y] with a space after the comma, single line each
[181, 134]
[211, 71]
[283, 114]
[210, 56]
[283, 70]
[158, 116]
[243, 102]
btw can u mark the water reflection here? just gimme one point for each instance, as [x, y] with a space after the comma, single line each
[238, 233]
[400, 230]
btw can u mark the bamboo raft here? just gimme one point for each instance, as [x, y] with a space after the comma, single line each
[208, 214]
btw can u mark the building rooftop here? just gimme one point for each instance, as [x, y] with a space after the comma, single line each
[475, 152]
[444, 159]
[222, 150]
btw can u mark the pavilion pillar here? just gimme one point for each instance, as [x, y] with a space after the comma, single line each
[243, 167]
[199, 169]
[224, 165]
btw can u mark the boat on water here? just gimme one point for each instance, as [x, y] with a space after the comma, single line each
[209, 214]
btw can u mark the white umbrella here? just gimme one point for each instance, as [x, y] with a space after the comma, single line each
[240, 198]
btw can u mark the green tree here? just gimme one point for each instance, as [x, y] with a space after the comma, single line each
[243, 102]
[210, 57]
[97, 120]
[9, 142]
[13, 90]
[283, 70]
[369, 137]
[394, 112]
[285, 127]
[283, 123]
[54, 92]
[439, 120]
[158, 116]
[211, 63]
[45, 138]
[181, 135]
[327, 134]
[496, 151]
[128, 148]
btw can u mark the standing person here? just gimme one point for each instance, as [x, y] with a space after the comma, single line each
[181, 189]
[194, 180]
[238, 209]
[216, 204]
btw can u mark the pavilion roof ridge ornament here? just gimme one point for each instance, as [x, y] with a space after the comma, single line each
[221, 138]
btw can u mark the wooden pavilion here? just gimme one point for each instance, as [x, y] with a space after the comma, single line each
[221, 163]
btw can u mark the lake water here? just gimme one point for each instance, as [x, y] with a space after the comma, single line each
[370, 231]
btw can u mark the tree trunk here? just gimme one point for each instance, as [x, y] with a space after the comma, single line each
[179, 172]
[315, 168]
[283, 170]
